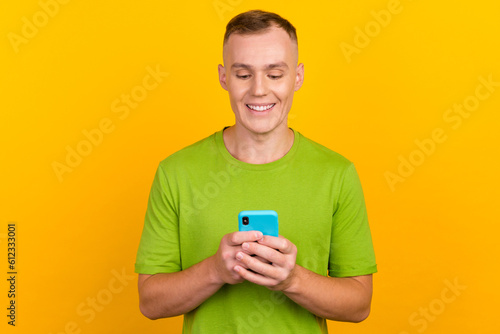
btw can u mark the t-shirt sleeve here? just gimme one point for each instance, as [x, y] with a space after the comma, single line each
[159, 246]
[351, 248]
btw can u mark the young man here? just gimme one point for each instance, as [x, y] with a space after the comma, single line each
[192, 261]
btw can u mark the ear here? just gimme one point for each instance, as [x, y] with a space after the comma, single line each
[299, 77]
[222, 76]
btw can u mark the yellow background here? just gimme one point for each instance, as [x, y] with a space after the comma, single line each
[438, 227]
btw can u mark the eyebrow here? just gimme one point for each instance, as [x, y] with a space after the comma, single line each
[267, 67]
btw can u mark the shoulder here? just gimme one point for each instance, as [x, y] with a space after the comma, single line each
[322, 155]
[194, 153]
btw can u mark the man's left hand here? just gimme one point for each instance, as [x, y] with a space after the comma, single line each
[276, 275]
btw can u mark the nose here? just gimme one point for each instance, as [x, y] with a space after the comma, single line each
[259, 86]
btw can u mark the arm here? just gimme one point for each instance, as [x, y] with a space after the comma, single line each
[334, 298]
[341, 299]
[171, 294]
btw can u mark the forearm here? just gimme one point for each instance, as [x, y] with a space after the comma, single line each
[334, 298]
[172, 294]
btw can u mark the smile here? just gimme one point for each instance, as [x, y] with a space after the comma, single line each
[260, 108]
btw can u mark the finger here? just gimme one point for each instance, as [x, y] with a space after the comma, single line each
[261, 259]
[249, 252]
[269, 254]
[237, 277]
[239, 237]
[281, 243]
[256, 257]
[257, 266]
[254, 277]
[238, 248]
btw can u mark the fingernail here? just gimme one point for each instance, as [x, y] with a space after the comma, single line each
[239, 256]
[245, 245]
[258, 235]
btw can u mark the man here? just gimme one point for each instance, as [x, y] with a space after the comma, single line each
[191, 261]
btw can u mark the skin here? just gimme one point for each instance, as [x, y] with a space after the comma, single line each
[260, 69]
[258, 137]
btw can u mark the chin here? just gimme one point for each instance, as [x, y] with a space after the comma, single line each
[261, 128]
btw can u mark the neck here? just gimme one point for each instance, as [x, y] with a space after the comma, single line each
[258, 148]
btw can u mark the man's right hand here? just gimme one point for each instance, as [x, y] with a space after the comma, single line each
[171, 294]
[225, 258]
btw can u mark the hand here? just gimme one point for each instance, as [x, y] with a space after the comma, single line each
[280, 254]
[225, 258]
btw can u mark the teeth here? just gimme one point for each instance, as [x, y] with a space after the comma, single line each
[260, 108]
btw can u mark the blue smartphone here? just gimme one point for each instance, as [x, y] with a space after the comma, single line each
[265, 221]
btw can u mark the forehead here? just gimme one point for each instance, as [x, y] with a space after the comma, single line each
[271, 46]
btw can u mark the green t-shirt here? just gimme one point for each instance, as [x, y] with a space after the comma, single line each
[195, 199]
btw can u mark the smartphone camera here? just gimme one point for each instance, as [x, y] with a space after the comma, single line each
[245, 220]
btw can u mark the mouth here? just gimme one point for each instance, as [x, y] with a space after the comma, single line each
[260, 107]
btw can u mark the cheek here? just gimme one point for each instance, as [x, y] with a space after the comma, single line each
[284, 91]
[236, 92]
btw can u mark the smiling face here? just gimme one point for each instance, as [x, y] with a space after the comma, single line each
[261, 75]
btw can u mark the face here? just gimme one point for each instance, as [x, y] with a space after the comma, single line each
[261, 75]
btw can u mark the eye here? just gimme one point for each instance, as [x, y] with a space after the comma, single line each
[276, 77]
[244, 76]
